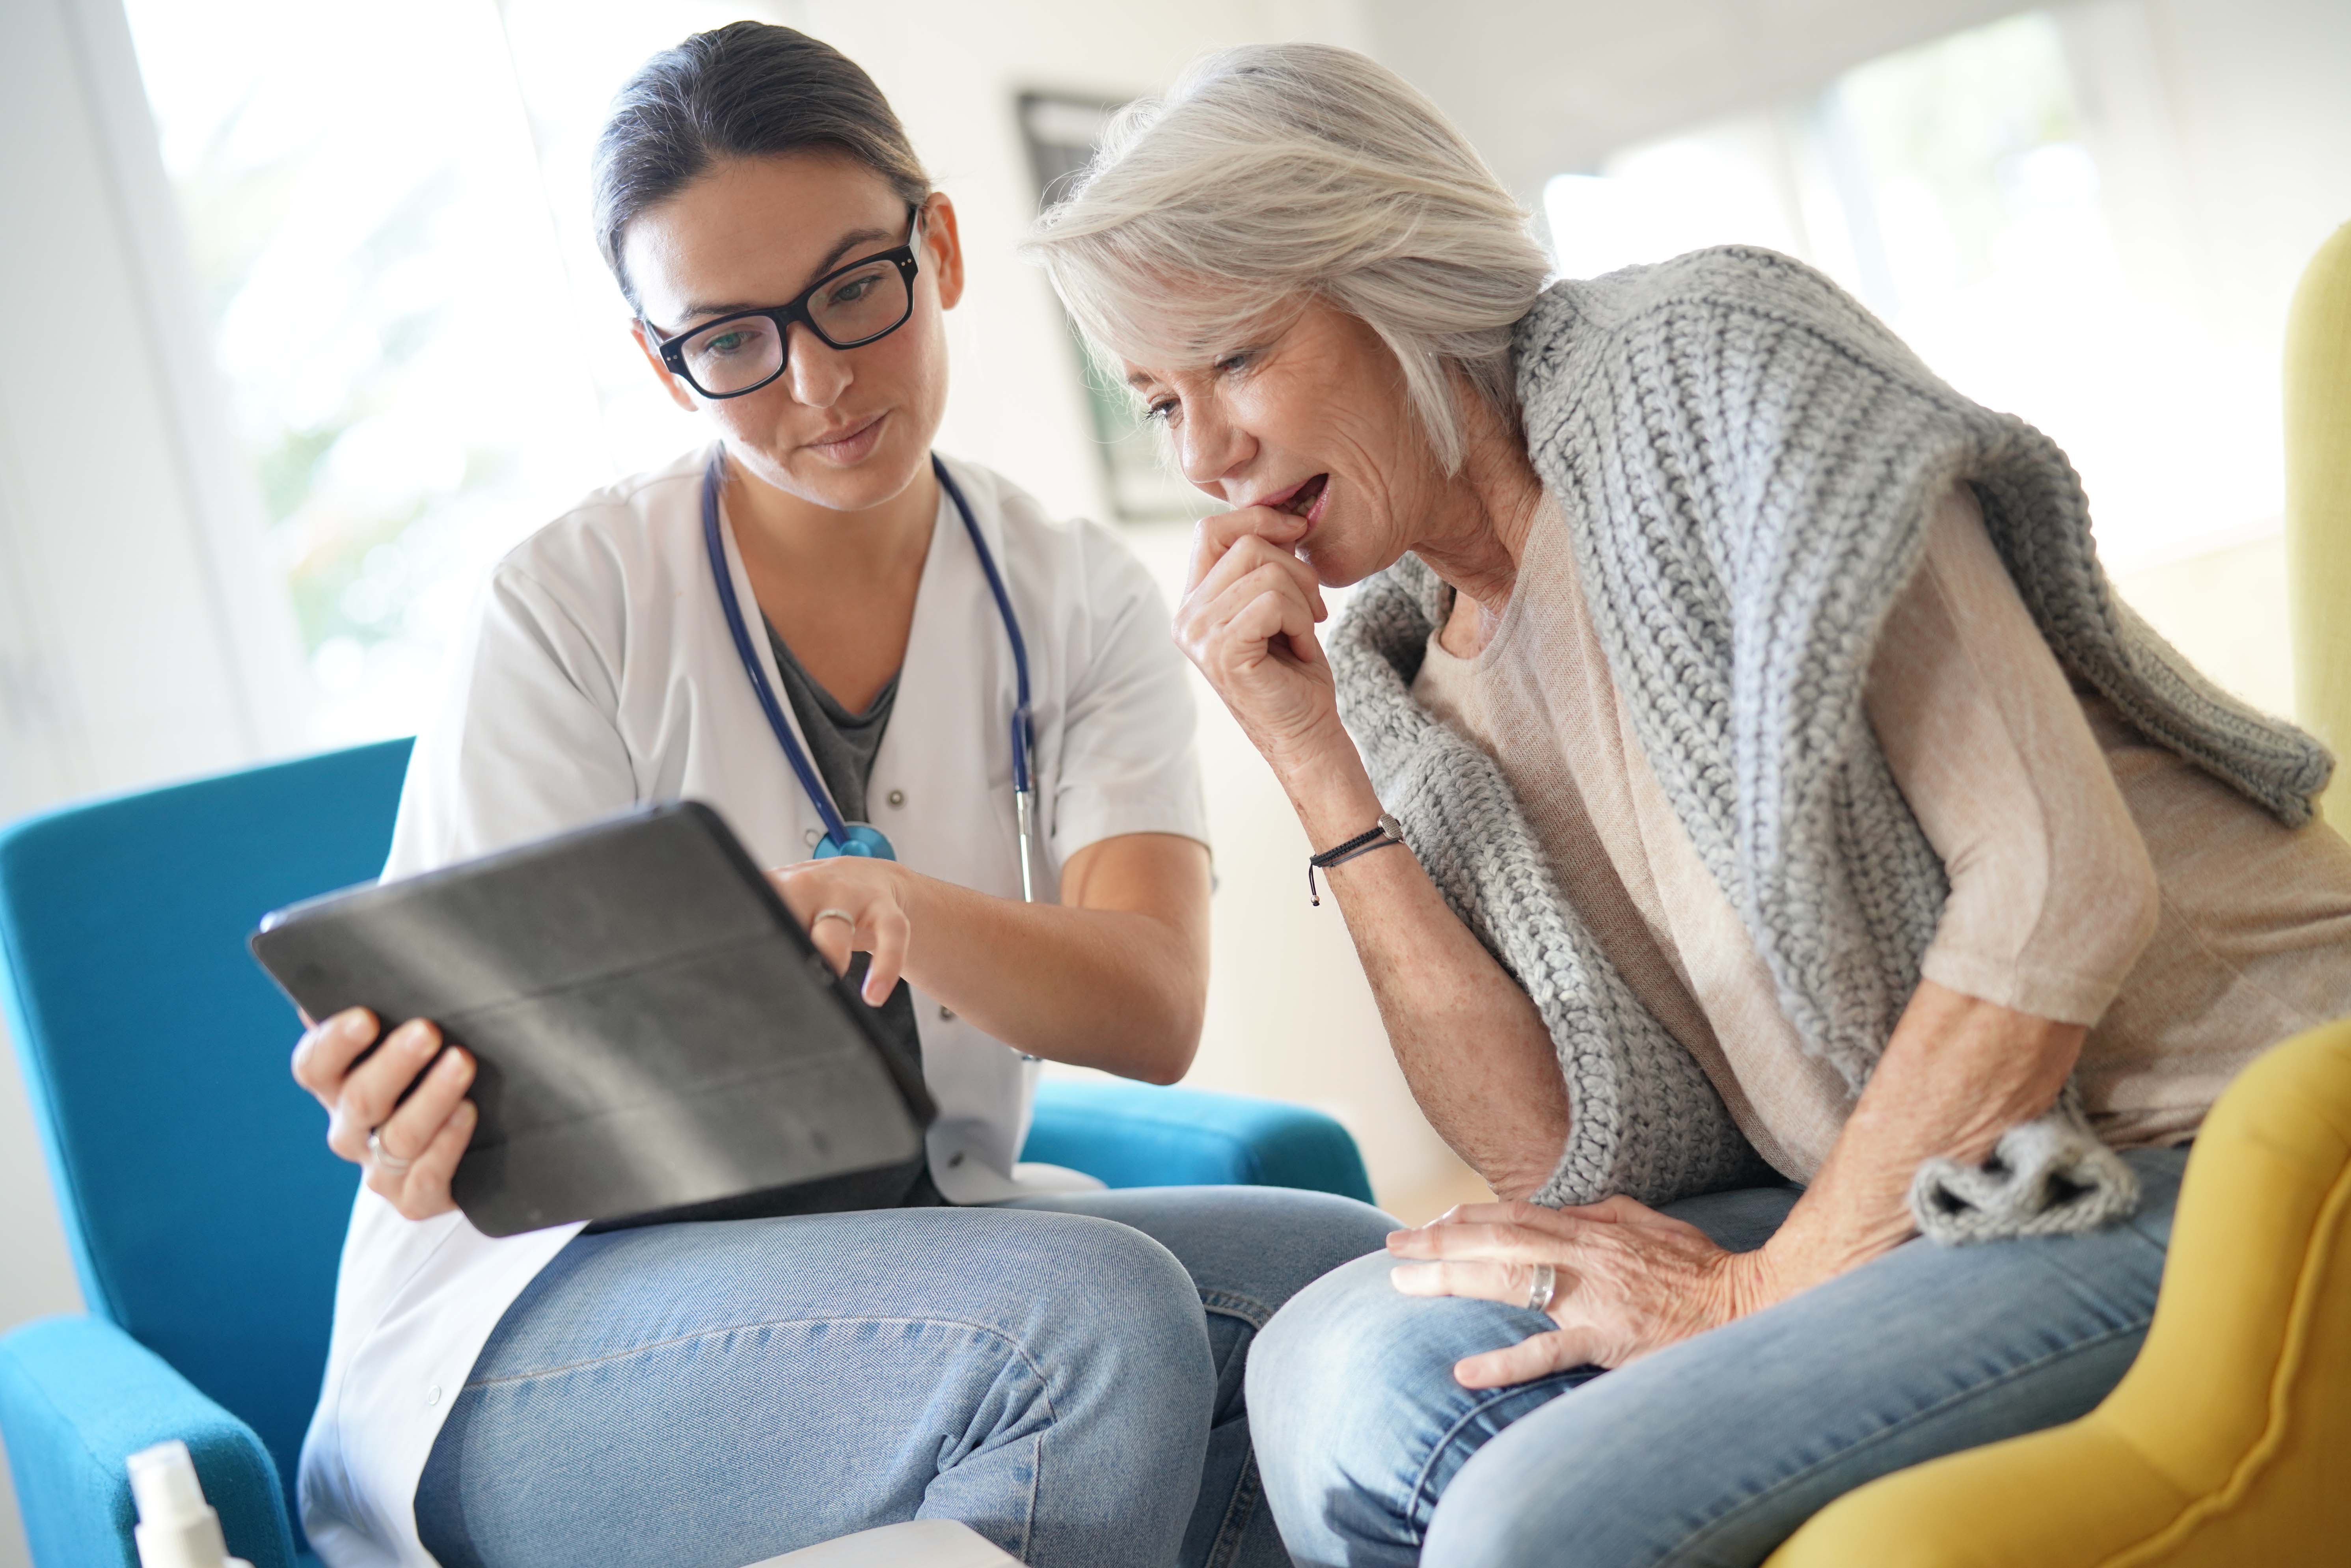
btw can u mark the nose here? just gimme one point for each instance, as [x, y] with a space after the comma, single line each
[818, 372]
[1211, 449]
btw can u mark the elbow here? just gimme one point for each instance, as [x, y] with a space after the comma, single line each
[1171, 1057]
[1183, 1016]
[1166, 1072]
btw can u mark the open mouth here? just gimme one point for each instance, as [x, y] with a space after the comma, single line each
[1306, 501]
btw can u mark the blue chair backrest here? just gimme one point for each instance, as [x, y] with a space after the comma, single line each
[204, 1210]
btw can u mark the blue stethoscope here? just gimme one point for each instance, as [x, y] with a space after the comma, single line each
[862, 839]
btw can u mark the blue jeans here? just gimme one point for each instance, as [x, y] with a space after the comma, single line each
[1063, 1374]
[1710, 1452]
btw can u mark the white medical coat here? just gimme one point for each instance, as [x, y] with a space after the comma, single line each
[600, 675]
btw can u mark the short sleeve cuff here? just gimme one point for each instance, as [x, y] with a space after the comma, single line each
[1086, 815]
[2062, 996]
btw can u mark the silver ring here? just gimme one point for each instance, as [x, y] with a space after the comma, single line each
[390, 1163]
[1544, 1286]
[821, 916]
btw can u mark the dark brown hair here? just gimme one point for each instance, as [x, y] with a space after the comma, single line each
[745, 90]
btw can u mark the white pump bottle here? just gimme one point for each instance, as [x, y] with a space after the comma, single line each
[177, 1529]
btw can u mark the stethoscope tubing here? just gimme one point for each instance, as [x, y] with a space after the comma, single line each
[837, 830]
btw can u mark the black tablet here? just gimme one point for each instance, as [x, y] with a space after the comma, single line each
[652, 1027]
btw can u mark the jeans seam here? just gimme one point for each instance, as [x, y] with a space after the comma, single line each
[1035, 1482]
[1714, 1526]
[1020, 1351]
[1227, 1546]
[1232, 1305]
[1436, 1449]
[1226, 1543]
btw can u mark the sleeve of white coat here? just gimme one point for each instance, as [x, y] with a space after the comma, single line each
[526, 745]
[1129, 763]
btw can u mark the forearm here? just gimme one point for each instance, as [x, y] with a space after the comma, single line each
[1116, 989]
[1958, 1072]
[1472, 1046]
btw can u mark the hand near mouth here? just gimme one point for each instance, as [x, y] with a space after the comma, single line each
[1247, 621]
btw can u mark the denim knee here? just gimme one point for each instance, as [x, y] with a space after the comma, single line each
[1360, 1423]
[1340, 1407]
[1108, 1299]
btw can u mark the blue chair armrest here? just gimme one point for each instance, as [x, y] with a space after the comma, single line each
[1135, 1135]
[77, 1398]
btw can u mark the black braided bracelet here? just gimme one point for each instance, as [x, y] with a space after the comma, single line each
[1380, 835]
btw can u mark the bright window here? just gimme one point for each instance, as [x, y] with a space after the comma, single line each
[388, 213]
[1952, 187]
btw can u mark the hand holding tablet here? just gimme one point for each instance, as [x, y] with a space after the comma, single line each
[642, 1023]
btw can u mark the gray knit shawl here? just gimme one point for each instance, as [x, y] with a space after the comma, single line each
[1747, 460]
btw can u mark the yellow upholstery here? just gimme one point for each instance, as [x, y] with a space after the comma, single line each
[2319, 505]
[2229, 1441]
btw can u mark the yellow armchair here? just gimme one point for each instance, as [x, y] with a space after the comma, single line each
[2318, 506]
[2229, 1441]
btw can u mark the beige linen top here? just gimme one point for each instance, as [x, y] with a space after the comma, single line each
[2096, 878]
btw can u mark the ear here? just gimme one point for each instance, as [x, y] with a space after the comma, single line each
[943, 248]
[679, 392]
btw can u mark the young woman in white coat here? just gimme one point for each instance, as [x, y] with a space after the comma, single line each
[816, 595]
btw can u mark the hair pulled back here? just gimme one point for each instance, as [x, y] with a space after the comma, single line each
[749, 90]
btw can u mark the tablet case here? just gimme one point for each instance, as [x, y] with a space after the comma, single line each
[652, 1027]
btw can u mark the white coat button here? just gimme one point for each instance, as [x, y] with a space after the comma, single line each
[897, 797]
[432, 1394]
[813, 835]
[946, 1014]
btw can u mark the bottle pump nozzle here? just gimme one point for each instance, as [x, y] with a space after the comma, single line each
[177, 1529]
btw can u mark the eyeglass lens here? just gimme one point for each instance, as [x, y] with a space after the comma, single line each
[861, 305]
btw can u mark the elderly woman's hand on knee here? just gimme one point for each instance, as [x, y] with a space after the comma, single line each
[1618, 1277]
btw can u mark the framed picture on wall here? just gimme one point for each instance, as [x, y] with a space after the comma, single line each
[1061, 130]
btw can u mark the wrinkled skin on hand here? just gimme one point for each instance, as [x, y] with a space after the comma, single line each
[1630, 1280]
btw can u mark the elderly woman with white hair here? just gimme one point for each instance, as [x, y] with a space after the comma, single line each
[1820, 909]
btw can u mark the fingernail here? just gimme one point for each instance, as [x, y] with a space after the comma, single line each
[451, 1065]
[351, 1024]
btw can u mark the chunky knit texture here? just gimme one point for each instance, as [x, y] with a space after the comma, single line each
[1642, 1118]
[1747, 459]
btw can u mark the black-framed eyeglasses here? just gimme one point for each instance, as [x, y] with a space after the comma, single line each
[846, 308]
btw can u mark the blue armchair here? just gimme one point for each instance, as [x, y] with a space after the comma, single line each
[205, 1212]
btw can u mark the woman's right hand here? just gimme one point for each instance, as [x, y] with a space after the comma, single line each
[1247, 621]
[417, 1143]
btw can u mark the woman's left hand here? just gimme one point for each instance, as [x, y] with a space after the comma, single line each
[863, 903]
[1630, 1280]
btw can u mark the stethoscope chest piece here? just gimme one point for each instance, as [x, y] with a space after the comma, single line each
[863, 843]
